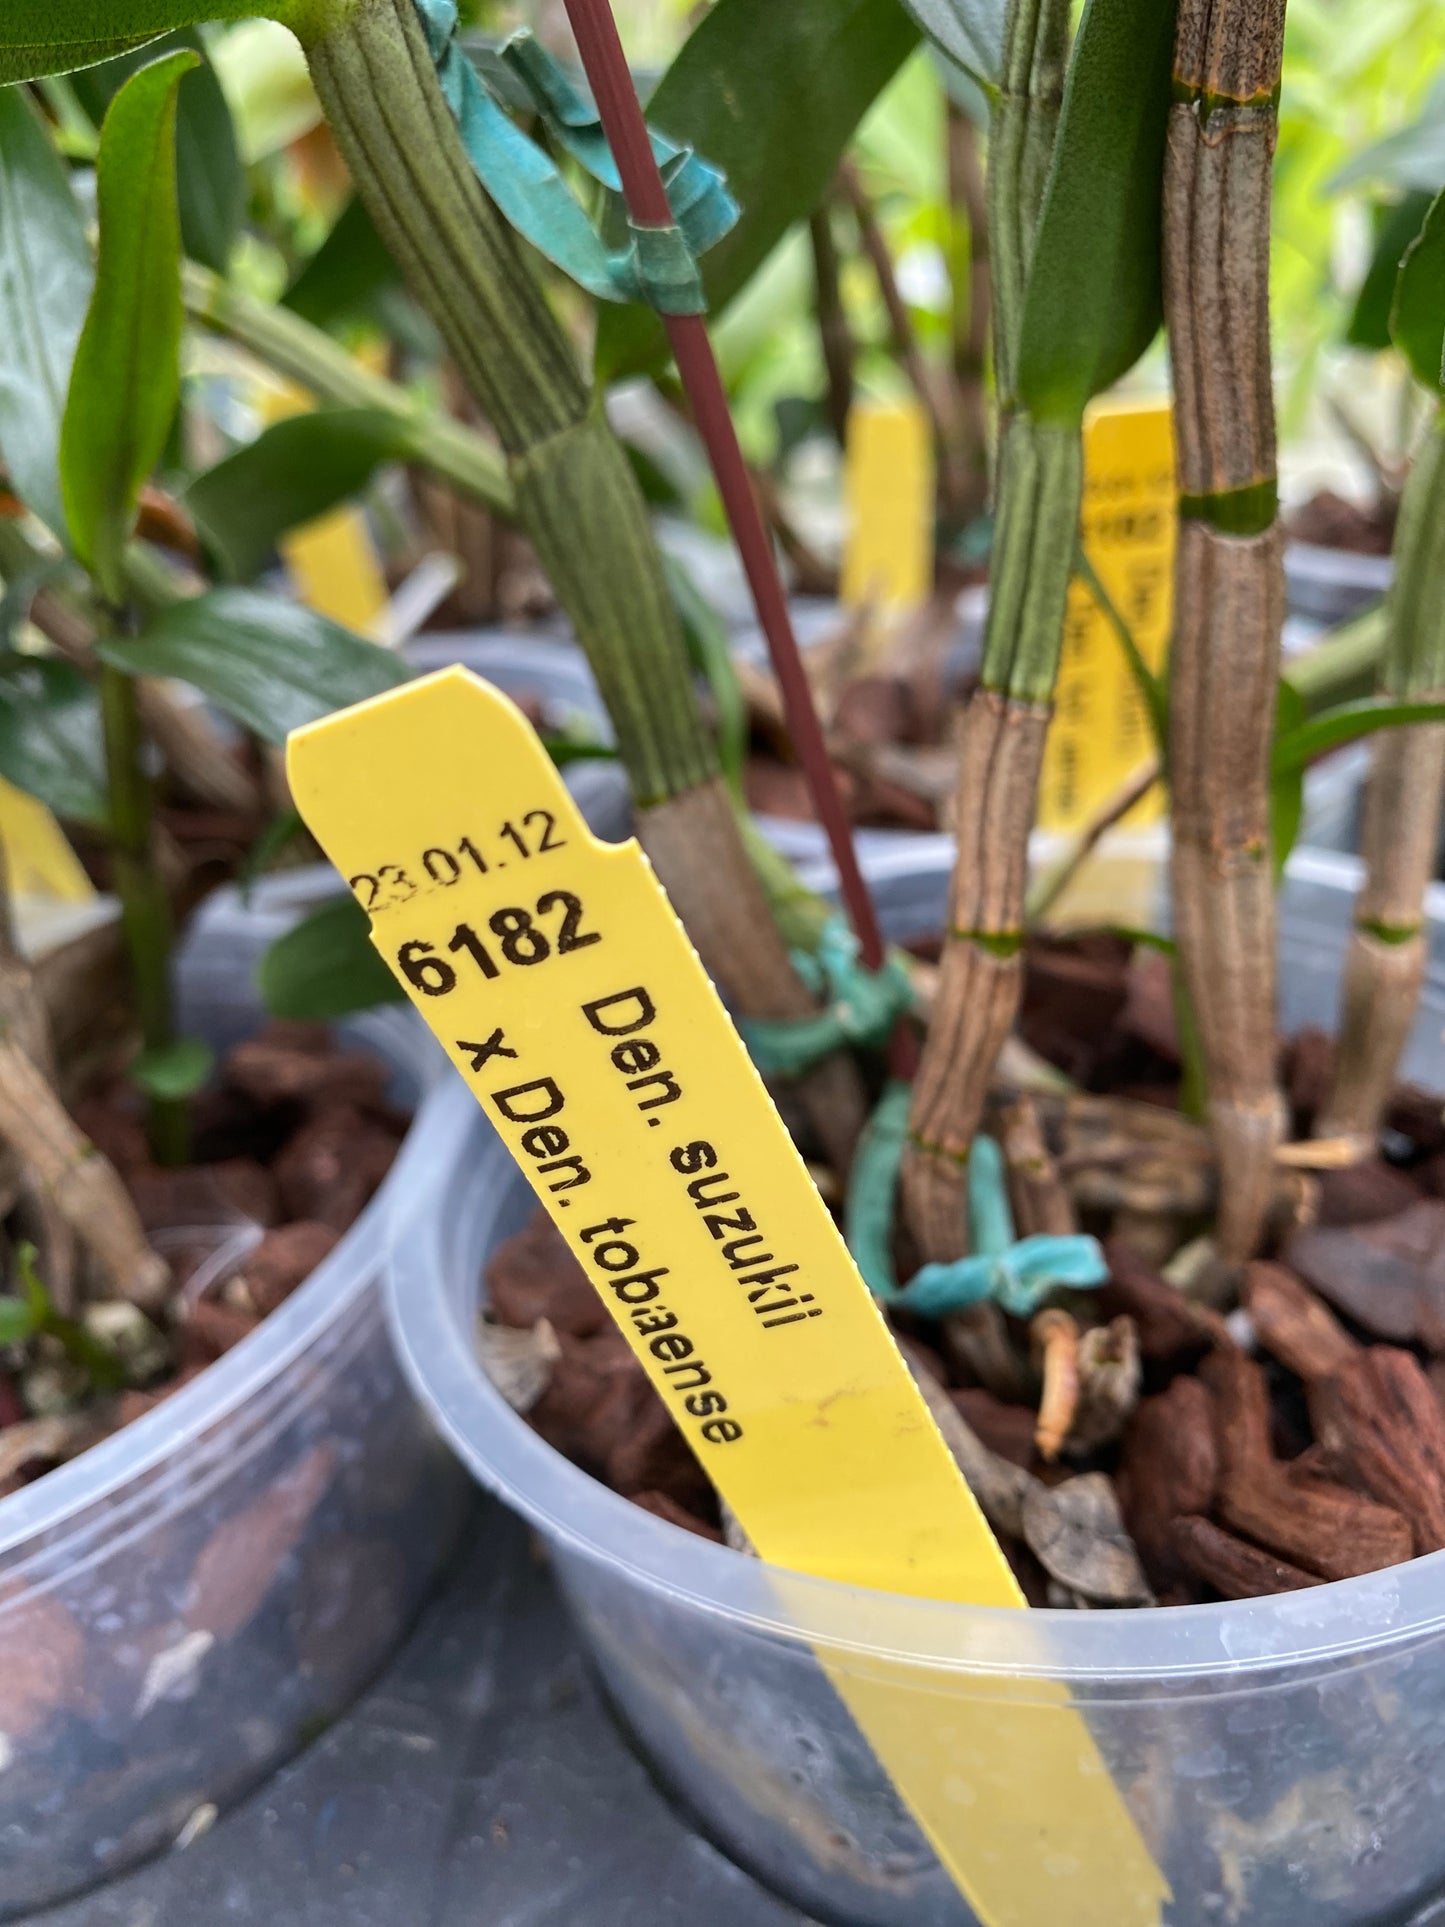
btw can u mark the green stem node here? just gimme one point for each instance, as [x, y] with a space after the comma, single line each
[1040, 488]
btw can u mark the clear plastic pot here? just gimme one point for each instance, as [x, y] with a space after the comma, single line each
[909, 878]
[1330, 586]
[1330, 822]
[523, 663]
[1283, 1757]
[185, 1605]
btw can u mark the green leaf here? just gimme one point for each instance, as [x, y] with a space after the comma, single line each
[50, 738]
[1094, 299]
[969, 32]
[1306, 741]
[1153, 690]
[1287, 776]
[1396, 226]
[1286, 812]
[326, 967]
[1149, 939]
[126, 380]
[972, 98]
[175, 1071]
[576, 749]
[282, 830]
[292, 473]
[706, 637]
[268, 662]
[1290, 710]
[770, 91]
[29, 58]
[210, 181]
[17, 1321]
[348, 274]
[57, 36]
[106, 1370]
[31, 1283]
[1417, 319]
[351, 277]
[45, 282]
[210, 178]
[21, 590]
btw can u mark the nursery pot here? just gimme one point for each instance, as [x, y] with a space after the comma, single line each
[193, 1599]
[1282, 1757]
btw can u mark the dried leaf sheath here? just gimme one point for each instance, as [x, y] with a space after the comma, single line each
[1385, 964]
[1038, 488]
[1222, 709]
[65, 1168]
[981, 977]
[981, 974]
[1229, 597]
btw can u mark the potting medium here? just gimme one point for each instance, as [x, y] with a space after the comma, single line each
[1283, 1757]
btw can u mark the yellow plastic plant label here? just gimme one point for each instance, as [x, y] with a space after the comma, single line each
[333, 565]
[554, 972]
[888, 558]
[1100, 735]
[332, 562]
[38, 858]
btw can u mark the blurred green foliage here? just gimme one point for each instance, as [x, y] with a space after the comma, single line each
[1355, 72]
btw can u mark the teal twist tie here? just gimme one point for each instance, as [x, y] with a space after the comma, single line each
[659, 264]
[861, 1006]
[1017, 1274]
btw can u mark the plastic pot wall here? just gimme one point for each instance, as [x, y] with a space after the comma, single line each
[1331, 586]
[1284, 1757]
[554, 668]
[189, 1602]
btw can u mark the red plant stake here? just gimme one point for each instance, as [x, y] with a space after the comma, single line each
[646, 197]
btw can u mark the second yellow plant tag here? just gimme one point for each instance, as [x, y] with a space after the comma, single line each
[553, 970]
[38, 857]
[888, 557]
[1100, 734]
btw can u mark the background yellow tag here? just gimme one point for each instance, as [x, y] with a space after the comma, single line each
[1099, 735]
[555, 973]
[332, 564]
[38, 858]
[888, 557]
